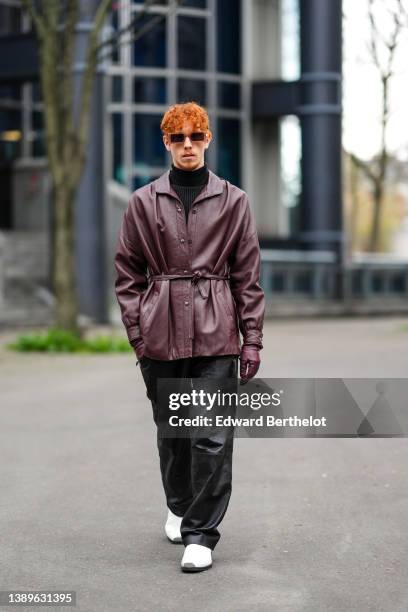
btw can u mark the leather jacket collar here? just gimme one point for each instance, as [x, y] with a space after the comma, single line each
[214, 186]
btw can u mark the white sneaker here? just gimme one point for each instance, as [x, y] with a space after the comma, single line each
[196, 558]
[172, 527]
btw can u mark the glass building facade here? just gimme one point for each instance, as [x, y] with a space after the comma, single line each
[22, 134]
[170, 54]
[21, 109]
[192, 52]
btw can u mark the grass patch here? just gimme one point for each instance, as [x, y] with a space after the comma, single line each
[62, 341]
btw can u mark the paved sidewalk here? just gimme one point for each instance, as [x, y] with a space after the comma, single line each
[313, 525]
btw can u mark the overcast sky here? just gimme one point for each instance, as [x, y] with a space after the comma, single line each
[361, 129]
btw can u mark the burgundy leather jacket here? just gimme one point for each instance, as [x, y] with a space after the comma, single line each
[188, 288]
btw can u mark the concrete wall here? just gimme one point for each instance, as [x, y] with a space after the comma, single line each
[31, 195]
[261, 151]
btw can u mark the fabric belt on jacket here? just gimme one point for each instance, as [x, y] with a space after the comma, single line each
[195, 277]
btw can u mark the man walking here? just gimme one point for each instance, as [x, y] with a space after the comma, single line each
[187, 283]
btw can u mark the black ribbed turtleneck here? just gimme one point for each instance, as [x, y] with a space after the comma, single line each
[188, 184]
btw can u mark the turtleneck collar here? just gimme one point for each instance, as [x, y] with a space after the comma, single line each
[188, 178]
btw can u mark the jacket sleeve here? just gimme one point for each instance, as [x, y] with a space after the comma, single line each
[244, 265]
[131, 277]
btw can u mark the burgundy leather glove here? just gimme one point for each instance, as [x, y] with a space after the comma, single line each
[250, 361]
[138, 347]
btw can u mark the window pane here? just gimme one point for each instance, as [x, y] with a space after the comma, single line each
[115, 25]
[149, 90]
[229, 95]
[228, 36]
[118, 170]
[148, 147]
[36, 92]
[191, 89]
[10, 92]
[117, 89]
[196, 3]
[191, 43]
[10, 20]
[290, 154]
[38, 142]
[290, 37]
[229, 149]
[150, 48]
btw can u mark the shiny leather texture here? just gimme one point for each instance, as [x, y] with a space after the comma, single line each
[188, 289]
[196, 471]
[138, 346]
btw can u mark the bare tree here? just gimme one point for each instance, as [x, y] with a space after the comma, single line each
[382, 50]
[67, 129]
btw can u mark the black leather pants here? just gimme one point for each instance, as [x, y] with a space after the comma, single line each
[197, 470]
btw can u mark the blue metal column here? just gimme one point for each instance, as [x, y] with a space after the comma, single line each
[321, 222]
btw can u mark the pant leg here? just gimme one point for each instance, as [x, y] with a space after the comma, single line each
[211, 462]
[174, 453]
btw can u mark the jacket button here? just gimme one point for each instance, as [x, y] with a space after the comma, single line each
[182, 240]
[185, 271]
[186, 303]
[178, 208]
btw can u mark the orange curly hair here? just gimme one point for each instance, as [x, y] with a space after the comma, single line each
[176, 115]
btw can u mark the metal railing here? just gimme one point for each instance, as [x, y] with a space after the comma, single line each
[314, 276]
[295, 274]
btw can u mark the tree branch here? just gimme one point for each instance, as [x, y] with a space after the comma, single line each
[113, 41]
[364, 166]
[36, 18]
[72, 14]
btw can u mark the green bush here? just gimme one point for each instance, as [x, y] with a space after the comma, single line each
[62, 341]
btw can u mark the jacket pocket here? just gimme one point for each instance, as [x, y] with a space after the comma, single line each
[228, 308]
[147, 309]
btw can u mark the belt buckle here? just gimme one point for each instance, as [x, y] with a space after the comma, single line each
[196, 277]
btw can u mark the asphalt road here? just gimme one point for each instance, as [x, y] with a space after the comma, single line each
[313, 524]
